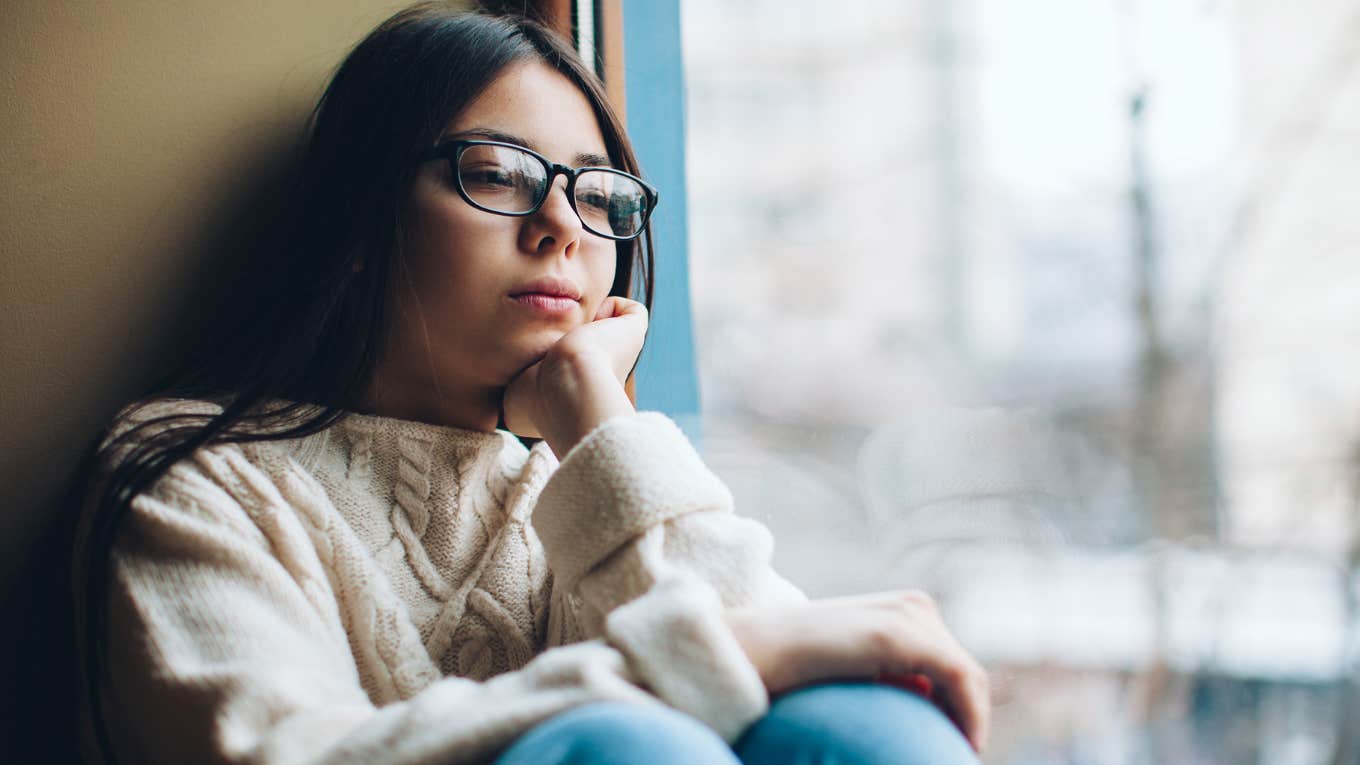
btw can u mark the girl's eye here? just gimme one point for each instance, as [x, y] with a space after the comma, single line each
[594, 200]
[488, 175]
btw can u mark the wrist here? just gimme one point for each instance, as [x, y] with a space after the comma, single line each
[577, 393]
[751, 635]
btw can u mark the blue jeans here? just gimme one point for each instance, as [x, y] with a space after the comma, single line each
[837, 724]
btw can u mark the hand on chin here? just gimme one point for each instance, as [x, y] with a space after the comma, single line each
[577, 364]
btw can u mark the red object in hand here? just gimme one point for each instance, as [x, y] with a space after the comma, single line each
[914, 683]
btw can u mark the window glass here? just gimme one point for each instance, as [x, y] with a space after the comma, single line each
[1051, 308]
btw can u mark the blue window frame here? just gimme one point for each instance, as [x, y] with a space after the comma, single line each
[667, 378]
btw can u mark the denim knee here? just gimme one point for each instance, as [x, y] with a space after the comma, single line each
[861, 723]
[616, 733]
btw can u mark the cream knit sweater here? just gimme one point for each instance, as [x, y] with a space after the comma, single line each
[389, 591]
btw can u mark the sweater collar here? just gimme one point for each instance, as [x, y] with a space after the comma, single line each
[363, 435]
[435, 487]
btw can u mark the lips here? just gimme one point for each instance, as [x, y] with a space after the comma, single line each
[550, 286]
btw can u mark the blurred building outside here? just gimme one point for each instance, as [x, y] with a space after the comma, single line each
[1050, 308]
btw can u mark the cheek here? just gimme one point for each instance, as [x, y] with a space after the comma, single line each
[600, 277]
[437, 231]
[603, 266]
[443, 250]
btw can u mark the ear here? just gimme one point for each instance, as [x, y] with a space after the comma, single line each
[357, 265]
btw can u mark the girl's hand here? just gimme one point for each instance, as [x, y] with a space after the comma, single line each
[618, 331]
[883, 637]
[579, 382]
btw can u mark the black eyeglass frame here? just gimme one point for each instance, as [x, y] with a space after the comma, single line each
[452, 151]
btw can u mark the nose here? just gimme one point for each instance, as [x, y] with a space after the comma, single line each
[556, 226]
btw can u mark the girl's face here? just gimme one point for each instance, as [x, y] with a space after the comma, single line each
[460, 320]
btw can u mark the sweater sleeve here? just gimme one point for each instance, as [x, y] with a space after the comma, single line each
[642, 539]
[225, 647]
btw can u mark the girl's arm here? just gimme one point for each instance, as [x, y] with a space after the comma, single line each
[640, 536]
[644, 546]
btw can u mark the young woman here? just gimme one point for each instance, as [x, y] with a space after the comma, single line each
[317, 546]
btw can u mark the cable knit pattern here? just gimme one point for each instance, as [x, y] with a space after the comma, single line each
[411, 517]
[395, 592]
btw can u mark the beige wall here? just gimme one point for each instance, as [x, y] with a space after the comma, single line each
[137, 138]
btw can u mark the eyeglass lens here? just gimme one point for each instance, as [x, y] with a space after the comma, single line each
[505, 179]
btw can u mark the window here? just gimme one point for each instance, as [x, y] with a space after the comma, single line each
[1050, 308]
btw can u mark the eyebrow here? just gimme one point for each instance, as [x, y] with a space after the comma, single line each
[586, 159]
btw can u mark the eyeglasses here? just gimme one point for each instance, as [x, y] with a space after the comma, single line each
[506, 179]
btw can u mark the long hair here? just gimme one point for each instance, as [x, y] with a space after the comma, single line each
[295, 361]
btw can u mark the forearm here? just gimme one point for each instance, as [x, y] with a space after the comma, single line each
[640, 532]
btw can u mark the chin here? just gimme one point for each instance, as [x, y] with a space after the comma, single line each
[524, 352]
[539, 342]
